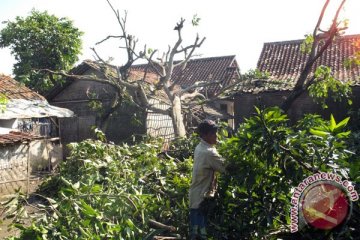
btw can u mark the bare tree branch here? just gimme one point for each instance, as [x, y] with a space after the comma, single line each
[320, 18]
[192, 47]
[155, 65]
[314, 55]
[198, 85]
[108, 37]
[192, 96]
[158, 110]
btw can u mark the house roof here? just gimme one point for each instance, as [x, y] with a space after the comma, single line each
[210, 69]
[22, 102]
[12, 89]
[284, 61]
[17, 137]
[21, 108]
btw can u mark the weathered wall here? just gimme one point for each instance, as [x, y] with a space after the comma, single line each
[245, 102]
[19, 162]
[123, 123]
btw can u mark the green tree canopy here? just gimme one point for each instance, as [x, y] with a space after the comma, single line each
[41, 41]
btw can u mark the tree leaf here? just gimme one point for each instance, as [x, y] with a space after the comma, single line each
[319, 133]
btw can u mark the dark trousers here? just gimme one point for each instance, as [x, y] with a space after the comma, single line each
[197, 224]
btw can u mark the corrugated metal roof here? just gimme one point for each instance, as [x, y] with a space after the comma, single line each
[17, 137]
[159, 125]
[12, 89]
[20, 108]
[284, 61]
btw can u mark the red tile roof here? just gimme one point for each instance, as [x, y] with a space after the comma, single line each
[224, 68]
[211, 69]
[15, 90]
[17, 137]
[284, 60]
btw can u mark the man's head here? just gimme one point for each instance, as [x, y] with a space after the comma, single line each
[207, 130]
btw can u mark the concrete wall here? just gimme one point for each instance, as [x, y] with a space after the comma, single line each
[220, 104]
[20, 162]
[245, 102]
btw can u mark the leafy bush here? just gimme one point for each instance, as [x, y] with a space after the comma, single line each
[106, 191]
[269, 158]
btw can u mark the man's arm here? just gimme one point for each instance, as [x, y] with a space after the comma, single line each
[217, 161]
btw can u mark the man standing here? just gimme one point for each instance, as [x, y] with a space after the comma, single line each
[207, 161]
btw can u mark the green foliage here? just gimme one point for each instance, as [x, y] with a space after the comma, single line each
[306, 45]
[3, 102]
[195, 20]
[183, 148]
[256, 74]
[94, 103]
[41, 41]
[269, 158]
[354, 142]
[353, 60]
[326, 85]
[106, 191]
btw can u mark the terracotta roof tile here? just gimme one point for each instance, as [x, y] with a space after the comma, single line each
[284, 61]
[17, 137]
[15, 90]
[223, 68]
[209, 70]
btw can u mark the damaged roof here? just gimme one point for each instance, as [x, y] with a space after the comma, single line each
[22, 102]
[17, 137]
[21, 108]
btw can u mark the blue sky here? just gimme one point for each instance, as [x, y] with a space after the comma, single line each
[231, 27]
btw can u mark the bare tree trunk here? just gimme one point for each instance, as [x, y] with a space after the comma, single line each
[177, 118]
[286, 105]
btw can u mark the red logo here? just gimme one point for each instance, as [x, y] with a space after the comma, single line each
[325, 206]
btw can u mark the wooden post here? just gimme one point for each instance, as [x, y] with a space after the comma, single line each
[28, 171]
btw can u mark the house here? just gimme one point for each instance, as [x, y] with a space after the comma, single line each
[29, 135]
[210, 70]
[283, 62]
[129, 120]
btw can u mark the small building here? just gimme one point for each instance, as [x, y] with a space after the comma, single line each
[30, 135]
[283, 62]
[82, 95]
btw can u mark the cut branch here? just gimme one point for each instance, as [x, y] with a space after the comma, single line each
[108, 37]
[157, 225]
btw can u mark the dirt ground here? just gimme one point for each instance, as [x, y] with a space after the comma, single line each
[5, 230]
